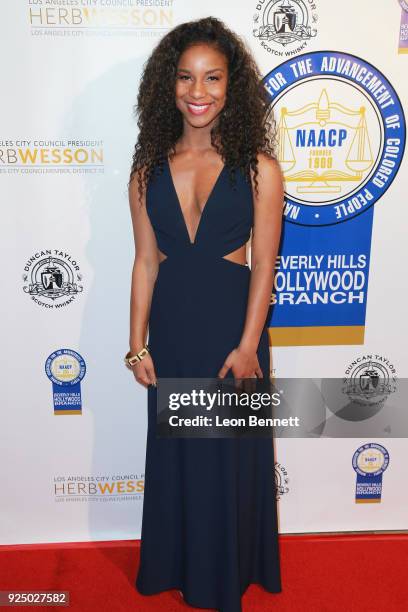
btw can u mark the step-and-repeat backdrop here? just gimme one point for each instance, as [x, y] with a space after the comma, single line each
[74, 421]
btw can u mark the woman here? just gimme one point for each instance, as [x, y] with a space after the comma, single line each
[204, 174]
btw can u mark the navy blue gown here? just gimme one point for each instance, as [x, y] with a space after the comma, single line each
[209, 523]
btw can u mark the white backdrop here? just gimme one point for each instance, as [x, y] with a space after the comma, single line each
[70, 75]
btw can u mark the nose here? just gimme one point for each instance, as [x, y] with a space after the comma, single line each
[197, 89]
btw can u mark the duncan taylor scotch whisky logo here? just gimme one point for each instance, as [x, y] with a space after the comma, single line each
[52, 278]
[284, 24]
[370, 379]
[281, 480]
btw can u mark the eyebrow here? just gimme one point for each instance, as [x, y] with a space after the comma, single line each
[207, 72]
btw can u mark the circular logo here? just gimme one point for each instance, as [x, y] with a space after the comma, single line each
[281, 480]
[281, 24]
[341, 131]
[370, 380]
[52, 275]
[370, 459]
[65, 367]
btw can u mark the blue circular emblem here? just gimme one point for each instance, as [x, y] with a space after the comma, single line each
[341, 131]
[371, 459]
[65, 367]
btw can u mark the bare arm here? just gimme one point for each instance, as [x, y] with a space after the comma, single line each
[145, 268]
[264, 248]
[268, 207]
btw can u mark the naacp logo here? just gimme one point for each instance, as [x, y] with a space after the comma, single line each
[284, 22]
[52, 275]
[281, 480]
[370, 379]
[370, 462]
[66, 368]
[341, 132]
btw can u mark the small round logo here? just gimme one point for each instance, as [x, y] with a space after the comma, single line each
[370, 459]
[52, 278]
[370, 380]
[65, 367]
[281, 480]
[284, 24]
[341, 131]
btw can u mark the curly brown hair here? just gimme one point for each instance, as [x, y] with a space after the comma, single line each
[243, 128]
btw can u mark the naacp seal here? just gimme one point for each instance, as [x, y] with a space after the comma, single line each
[341, 132]
[66, 368]
[370, 462]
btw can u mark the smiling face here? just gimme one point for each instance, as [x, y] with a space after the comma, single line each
[201, 84]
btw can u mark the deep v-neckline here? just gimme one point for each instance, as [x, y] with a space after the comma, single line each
[207, 201]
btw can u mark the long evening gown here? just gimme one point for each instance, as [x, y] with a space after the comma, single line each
[209, 523]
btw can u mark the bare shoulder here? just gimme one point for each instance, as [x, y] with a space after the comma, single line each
[270, 180]
[269, 168]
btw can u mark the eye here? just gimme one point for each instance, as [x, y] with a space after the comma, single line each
[183, 77]
[213, 77]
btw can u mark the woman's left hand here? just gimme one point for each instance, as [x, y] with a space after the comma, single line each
[243, 362]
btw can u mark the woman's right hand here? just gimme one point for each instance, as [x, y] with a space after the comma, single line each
[144, 371]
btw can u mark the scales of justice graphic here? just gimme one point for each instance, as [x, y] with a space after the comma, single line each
[311, 135]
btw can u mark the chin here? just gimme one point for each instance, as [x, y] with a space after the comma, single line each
[199, 122]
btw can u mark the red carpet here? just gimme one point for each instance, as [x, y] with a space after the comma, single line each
[344, 573]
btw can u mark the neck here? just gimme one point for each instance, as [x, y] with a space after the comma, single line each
[195, 139]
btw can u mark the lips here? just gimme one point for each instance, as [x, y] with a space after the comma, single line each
[198, 109]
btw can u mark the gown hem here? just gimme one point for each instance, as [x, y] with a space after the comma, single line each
[189, 601]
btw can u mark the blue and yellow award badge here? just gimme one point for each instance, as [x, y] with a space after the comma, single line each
[370, 462]
[66, 368]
